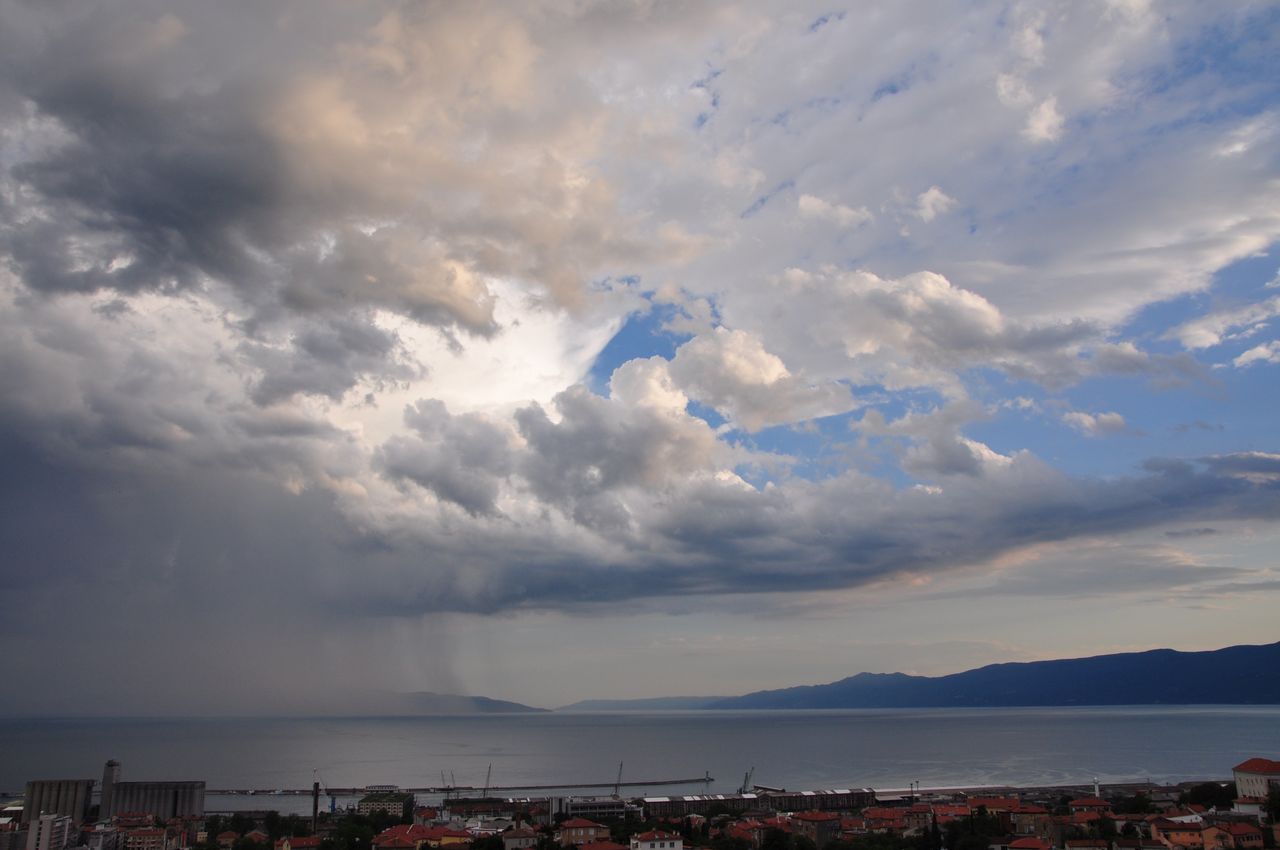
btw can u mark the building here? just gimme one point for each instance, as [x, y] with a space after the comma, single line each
[520, 838]
[580, 831]
[657, 841]
[594, 807]
[1256, 777]
[819, 827]
[70, 797]
[51, 832]
[1178, 835]
[309, 842]
[163, 800]
[395, 803]
[103, 837]
[836, 800]
[415, 837]
[146, 838]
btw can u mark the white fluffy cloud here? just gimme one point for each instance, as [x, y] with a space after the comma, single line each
[731, 371]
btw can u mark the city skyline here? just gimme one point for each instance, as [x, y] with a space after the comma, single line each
[572, 350]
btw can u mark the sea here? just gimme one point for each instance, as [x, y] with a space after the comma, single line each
[797, 750]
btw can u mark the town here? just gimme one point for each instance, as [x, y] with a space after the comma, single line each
[1242, 814]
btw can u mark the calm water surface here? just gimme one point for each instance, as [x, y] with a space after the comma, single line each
[793, 749]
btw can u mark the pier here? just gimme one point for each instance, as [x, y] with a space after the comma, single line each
[453, 790]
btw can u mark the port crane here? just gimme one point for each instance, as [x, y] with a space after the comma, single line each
[746, 780]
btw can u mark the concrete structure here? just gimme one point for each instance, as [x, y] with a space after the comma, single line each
[70, 797]
[110, 776]
[51, 832]
[13, 839]
[162, 800]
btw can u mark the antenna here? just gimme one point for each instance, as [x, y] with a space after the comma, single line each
[618, 785]
[487, 775]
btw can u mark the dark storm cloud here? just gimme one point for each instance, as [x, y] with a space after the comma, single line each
[141, 175]
[462, 459]
[327, 358]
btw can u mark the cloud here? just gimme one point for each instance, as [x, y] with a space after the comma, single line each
[1268, 352]
[1044, 124]
[304, 327]
[921, 330]
[1095, 424]
[731, 371]
[1217, 327]
[932, 203]
[459, 459]
[812, 207]
[936, 448]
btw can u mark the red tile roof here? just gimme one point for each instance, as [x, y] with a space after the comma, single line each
[601, 845]
[816, 816]
[654, 835]
[395, 842]
[1028, 844]
[1259, 765]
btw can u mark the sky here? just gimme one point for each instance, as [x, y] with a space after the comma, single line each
[566, 349]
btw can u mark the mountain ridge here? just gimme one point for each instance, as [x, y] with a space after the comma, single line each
[1235, 675]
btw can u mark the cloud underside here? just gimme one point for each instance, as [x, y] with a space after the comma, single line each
[314, 318]
[602, 506]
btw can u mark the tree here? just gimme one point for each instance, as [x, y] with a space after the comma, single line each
[1213, 795]
[775, 839]
[1138, 804]
[1272, 805]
